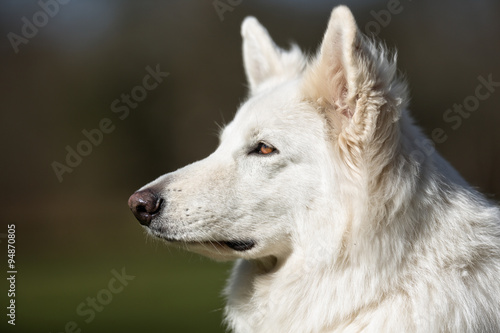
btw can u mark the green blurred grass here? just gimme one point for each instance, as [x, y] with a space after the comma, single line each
[173, 290]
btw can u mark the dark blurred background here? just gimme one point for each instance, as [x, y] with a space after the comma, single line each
[72, 234]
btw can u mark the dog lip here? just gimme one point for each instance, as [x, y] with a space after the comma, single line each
[240, 246]
[236, 245]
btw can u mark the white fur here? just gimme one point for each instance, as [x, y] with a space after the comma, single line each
[354, 230]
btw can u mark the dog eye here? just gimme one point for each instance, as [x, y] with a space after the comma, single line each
[264, 149]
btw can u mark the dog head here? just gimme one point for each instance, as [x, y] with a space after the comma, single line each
[306, 132]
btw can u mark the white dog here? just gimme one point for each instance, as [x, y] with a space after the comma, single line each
[339, 221]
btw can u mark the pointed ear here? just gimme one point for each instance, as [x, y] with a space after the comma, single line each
[264, 60]
[354, 84]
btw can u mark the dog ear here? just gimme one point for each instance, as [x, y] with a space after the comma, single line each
[355, 85]
[264, 61]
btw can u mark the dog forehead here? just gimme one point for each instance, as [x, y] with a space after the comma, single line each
[270, 105]
[280, 109]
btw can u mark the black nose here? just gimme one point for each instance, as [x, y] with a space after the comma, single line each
[145, 205]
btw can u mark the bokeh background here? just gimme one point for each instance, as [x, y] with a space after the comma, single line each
[72, 234]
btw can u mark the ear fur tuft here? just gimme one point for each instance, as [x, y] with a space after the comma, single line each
[353, 82]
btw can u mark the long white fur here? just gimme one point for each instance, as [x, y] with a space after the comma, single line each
[356, 229]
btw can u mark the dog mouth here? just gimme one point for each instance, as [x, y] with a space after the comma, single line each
[240, 246]
[236, 245]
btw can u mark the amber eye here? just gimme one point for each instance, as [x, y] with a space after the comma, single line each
[264, 149]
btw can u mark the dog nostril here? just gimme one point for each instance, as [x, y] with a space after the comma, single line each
[158, 206]
[141, 209]
[145, 205]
